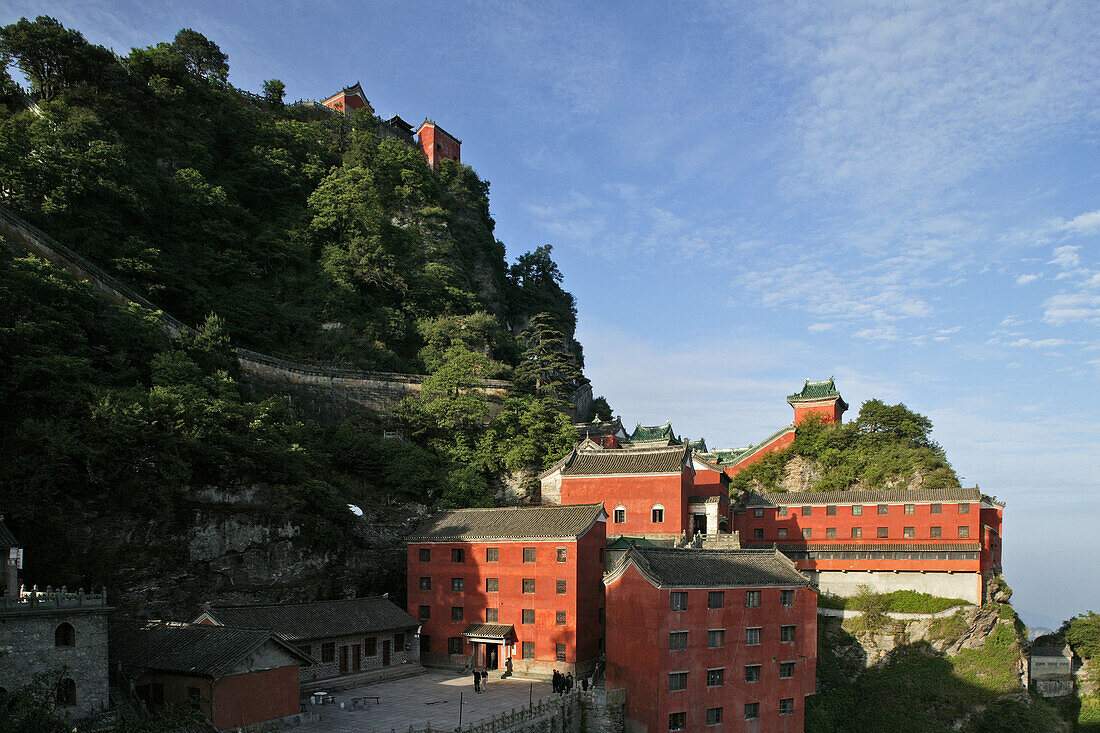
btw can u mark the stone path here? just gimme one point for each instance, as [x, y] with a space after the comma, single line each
[428, 698]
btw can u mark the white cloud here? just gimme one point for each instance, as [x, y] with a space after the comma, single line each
[820, 327]
[1066, 308]
[1036, 343]
[1066, 257]
[1025, 279]
[1085, 223]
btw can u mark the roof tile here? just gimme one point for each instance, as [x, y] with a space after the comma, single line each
[198, 649]
[640, 461]
[318, 619]
[693, 568]
[890, 496]
[510, 523]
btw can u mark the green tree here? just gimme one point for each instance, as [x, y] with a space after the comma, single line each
[52, 57]
[202, 57]
[600, 410]
[274, 92]
[547, 366]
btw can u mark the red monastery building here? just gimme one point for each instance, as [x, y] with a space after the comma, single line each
[698, 638]
[516, 588]
[437, 144]
[348, 100]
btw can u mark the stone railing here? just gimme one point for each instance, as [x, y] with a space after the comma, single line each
[35, 599]
[550, 714]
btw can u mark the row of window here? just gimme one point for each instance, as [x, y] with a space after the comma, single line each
[678, 600]
[716, 638]
[857, 532]
[923, 556]
[492, 615]
[492, 554]
[370, 647]
[678, 721]
[527, 648]
[857, 510]
[492, 585]
[716, 677]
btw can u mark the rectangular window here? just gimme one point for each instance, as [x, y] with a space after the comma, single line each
[786, 633]
[457, 584]
[937, 532]
[807, 533]
[559, 652]
[528, 616]
[883, 509]
[716, 677]
[677, 640]
[884, 532]
[457, 555]
[425, 613]
[910, 509]
[935, 508]
[492, 615]
[830, 533]
[752, 636]
[857, 532]
[563, 554]
[677, 601]
[830, 511]
[752, 710]
[528, 585]
[758, 513]
[425, 584]
[714, 716]
[370, 646]
[561, 587]
[715, 598]
[758, 533]
[752, 599]
[677, 681]
[964, 508]
[456, 613]
[658, 515]
[620, 516]
[677, 721]
[909, 532]
[786, 670]
[857, 510]
[425, 554]
[492, 554]
[528, 650]
[328, 651]
[454, 645]
[781, 511]
[781, 533]
[528, 554]
[807, 511]
[964, 531]
[559, 618]
[492, 585]
[786, 706]
[601, 555]
[716, 638]
[752, 673]
[786, 598]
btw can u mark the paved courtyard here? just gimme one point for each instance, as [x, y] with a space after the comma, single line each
[428, 698]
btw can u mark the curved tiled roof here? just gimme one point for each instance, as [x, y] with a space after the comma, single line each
[509, 523]
[694, 568]
[890, 496]
[707, 499]
[812, 391]
[653, 433]
[318, 619]
[640, 461]
[599, 428]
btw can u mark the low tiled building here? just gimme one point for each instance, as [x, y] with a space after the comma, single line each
[699, 638]
[1050, 669]
[515, 588]
[237, 677]
[352, 640]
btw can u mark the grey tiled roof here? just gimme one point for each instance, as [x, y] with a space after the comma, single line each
[707, 499]
[879, 546]
[692, 568]
[491, 630]
[599, 428]
[508, 523]
[318, 619]
[892, 496]
[197, 649]
[627, 461]
[7, 539]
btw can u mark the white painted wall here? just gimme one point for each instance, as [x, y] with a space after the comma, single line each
[967, 586]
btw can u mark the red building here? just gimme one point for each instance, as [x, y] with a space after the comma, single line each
[698, 638]
[606, 434]
[437, 144]
[945, 542]
[348, 100]
[517, 588]
[238, 677]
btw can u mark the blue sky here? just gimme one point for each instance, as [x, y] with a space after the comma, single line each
[745, 195]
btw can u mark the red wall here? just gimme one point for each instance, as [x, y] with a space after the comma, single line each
[344, 103]
[780, 443]
[637, 494]
[639, 660]
[991, 519]
[437, 145]
[254, 697]
[830, 412]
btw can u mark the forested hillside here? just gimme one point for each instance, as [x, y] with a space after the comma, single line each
[143, 464]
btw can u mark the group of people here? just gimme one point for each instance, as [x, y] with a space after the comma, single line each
[481, 680]
[563, 683]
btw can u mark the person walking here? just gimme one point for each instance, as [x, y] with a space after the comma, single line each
[556, 684]
[477, 680]
[484, 679]
[584, 684]
[569, 682]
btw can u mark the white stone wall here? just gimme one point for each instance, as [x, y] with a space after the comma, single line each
[408, 654]
[967, 586]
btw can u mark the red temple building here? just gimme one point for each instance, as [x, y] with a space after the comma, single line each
[515, 588]
[348, 100]
[946, 542]
[606, 434]
[723, 638]
[437, 144]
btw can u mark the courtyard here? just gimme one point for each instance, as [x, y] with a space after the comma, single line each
[430, 698]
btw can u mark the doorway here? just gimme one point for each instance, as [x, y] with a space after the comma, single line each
[343, 660]
[698, 523]
[385, 652]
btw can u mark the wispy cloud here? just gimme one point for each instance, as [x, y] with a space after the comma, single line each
[1026, 279]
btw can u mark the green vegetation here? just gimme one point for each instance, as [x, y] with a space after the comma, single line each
[948, 629]
[883, 446]
[1083, 634]
[899, 601]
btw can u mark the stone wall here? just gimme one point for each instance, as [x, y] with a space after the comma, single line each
[967, 586]
[409, 653]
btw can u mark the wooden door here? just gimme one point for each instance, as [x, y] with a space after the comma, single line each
[385, 652]
[356, 658]
[343, 660]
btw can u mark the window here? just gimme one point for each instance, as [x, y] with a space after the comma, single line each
[677, 601]
[492, 615]
[752, 599]
[454, 645]
[425, 584]
[677, 640]
[786, 670]
[425, 613]
[559, 618]
[528, 615]
[857, 510]
[66, 692]
[492, 554]
[807, 511]
[561, 587]
[781, 511]
[658, 514]
[370, 645]
[456, 613]
[559, 652]
[528, 650]
[883, 532]
[964, 508]
[714, 716]
[64, 635]
[425, 554]
[937, 532]
[458, 555]
[328, 651]
[677, 721]
[194, 695]
[935, 508]
[528, 585]
[425, 644]
[399, 642]
[601, 555]
[620, 515]
[716, 638]
[830, 511]
[752, 710]
[716, 677]
[807, 533]
[781, 533]
[752, 636]
[883, 509]
[563, 554]
[786, 706]
[456, 585]
[910, 509]
[528, 554]
[758, 533]
[786, 633]
[964, 531]
[758, 513]
[830, 533]
[909, 532]
[752, 673]
[492, 585]
[677, 681]
[715, 599]
[786, 598]
[857, 532]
